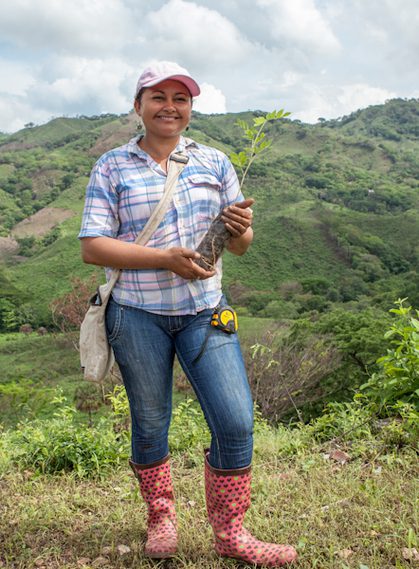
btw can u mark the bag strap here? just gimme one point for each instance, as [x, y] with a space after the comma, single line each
[177, 162]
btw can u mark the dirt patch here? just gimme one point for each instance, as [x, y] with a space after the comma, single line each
[112, 136]
[44, 181]
[41, 222]
[8, 248]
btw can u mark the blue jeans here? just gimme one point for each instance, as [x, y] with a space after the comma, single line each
[145, 345]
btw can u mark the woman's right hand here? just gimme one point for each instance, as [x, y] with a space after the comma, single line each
[180, 261]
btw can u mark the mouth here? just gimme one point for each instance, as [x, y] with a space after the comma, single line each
[167, 117]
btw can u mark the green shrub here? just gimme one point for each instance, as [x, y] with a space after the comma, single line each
[397, 379]
[64, 444]
[346, 421]
[23, 397]
[188, 429]
[279, 309]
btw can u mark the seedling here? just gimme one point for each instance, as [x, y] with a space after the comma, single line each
[214, 241]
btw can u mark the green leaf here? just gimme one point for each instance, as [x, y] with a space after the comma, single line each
[265, 144]
[389, 333]
[242, 124]
[412, 538]
[236, 159]
[260, 137]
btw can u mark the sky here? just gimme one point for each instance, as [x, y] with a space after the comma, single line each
[314, 58]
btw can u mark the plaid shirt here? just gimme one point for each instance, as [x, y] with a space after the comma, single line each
[125, 185]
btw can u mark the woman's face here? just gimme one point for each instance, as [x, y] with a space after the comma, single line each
[165, 108]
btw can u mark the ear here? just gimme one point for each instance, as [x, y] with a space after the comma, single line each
[137, 107]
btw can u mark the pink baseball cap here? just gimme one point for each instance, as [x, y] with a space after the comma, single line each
[163, 70]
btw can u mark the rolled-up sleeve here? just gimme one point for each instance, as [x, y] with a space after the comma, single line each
[100, 214]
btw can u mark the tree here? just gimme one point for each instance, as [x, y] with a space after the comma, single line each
[68, 310]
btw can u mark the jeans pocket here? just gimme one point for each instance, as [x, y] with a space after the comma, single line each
[115, 318]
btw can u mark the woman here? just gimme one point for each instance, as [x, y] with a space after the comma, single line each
[162, 306]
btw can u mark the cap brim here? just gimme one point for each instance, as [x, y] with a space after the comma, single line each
[191, 85]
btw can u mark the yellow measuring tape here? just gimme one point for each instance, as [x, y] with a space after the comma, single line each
[225, 319]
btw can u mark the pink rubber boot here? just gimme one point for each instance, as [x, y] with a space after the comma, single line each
[157, 491]
[228, 499]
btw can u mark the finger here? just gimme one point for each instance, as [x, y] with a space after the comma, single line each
[237, 222]
[245, 203]
[234, 232]
[189, 253]
[238, 212]
[201, 273]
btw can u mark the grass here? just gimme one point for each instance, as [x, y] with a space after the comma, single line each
[360, 514]
[325, 509]
[44, 359]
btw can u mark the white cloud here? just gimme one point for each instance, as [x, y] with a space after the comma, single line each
[211, 100]
[400, 17]
[301, 24]
[313, 57]
[360, 95]
[15, 112]
[15, 77]
[97, 26]
[332, 101]
[195, 34]
[79, 83]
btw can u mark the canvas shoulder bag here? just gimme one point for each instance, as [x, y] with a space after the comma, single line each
[96, 355]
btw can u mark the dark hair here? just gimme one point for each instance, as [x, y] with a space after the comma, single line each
[139, 95]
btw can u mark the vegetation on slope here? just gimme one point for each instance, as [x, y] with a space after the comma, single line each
[345, 482]
[337, 202]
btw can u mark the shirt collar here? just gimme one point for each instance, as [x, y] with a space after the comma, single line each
[183, 144]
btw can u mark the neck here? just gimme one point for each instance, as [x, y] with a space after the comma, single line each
[158, 149]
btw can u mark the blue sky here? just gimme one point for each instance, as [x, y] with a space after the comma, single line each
[316, 58]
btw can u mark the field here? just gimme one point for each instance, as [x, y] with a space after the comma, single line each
[357, 515]
[346, 502]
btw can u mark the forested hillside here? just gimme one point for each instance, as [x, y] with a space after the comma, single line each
[336, 213]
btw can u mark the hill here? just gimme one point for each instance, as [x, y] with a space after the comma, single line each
[336, 212]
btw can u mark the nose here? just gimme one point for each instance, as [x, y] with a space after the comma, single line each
[169, 105]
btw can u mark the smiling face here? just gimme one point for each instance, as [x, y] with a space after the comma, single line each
[165, 109]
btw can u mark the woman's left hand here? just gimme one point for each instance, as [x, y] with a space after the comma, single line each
[238, 217]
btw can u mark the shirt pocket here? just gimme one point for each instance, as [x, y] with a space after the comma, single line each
[204, 196]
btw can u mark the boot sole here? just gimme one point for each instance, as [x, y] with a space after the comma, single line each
[161, 555]
[254, 563]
